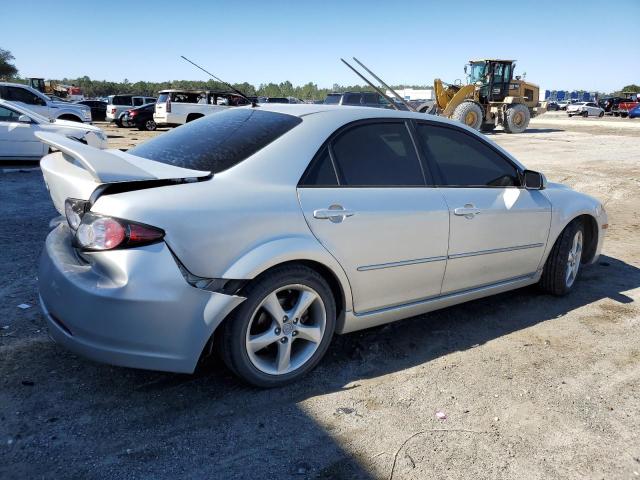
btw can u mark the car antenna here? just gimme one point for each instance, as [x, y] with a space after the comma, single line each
[391, 102]
[395, 94]
[252, 102]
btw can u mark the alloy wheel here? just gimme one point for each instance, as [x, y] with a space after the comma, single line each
[574, 258]
[286, 329]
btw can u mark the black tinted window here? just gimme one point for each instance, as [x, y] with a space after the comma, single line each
[7, 115]
[465, 161]
[351, 99]
[320, 172]
[219, 141]
[377, 154]
[23, 95]
[121, 100]
[332, 99]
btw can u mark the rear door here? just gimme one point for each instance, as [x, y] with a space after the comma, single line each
[366, 198]
[498, 230]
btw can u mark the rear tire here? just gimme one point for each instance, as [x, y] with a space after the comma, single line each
[252, 340]
[517, 118]
[563, 264]
[585, 114]
[468, 113]
[148, 125]
[601, 115]
[193, 117]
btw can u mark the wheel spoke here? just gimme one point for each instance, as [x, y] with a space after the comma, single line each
[311, 333]
[262, 340]
[302, 305]
[284, 357]
[272, 306]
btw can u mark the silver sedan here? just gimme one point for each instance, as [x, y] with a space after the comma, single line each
[260, 232]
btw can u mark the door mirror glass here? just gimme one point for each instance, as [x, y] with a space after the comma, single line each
[24, 119]
[534, 180]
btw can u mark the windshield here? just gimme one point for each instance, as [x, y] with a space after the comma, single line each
[477, 72]
[217, 142]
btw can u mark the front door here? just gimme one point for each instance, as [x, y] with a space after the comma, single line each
[498, 230]
[16, 138]
[366, 201]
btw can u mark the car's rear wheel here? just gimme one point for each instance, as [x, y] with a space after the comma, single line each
[601, 114]
[282, 330]
[148, 125]
[585, 114]
[563, 264]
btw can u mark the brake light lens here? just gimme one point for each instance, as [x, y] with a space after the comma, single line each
[132, 113]
[100, 232]
[168, 105]
[113, 111]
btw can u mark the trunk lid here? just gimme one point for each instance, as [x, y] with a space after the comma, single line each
[78, 169]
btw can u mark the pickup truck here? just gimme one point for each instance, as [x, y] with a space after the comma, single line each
[625, 107]
[31, 99]
[177, 107]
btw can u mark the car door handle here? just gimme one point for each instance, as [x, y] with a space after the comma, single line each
[468, 211]
[335, 213]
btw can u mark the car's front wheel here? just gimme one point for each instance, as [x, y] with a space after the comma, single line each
[282, 330]
[563, 264]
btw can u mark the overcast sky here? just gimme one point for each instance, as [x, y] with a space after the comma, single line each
[561, 44]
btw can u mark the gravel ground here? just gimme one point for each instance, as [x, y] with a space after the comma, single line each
[532, 386]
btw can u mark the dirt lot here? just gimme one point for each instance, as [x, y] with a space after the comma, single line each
[533, 387]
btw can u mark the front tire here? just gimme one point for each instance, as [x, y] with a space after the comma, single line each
[563, 264]
[282, 330]
[517, 118]
[468, 113]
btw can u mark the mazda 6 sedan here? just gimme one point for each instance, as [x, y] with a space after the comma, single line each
[259, 233]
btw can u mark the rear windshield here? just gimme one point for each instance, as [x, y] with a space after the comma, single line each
[219, 141]
[332, 99]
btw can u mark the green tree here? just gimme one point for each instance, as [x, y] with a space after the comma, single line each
[7, 68]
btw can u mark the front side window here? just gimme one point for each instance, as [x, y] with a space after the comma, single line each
[377, 155]
[8, 115]
[217, 142]
[17, 94]
[464, 161]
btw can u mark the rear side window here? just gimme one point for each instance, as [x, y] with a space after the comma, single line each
[163, 97]
[219, 141]
[121, 100]
[320, 172]
[464, 161]
[351, 99]
[377, 155]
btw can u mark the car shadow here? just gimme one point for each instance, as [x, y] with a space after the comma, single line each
[232, 429]
[528, 130]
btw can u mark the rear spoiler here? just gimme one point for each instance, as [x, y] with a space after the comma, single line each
[113, 166]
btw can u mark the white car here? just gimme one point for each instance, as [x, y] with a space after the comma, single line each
[268, 229]
[18, 127]
[35, 101]
[586, 109]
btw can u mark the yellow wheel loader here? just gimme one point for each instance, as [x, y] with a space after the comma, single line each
[491, 97]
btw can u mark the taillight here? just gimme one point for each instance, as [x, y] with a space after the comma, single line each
[113, 111]
[74, 209]
[132, 113]
[100, 232]
[168, 105]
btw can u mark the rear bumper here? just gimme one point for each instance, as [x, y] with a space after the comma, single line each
[127, 307]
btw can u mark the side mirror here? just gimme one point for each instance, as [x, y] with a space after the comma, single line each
[533, 180]
[24, 119]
